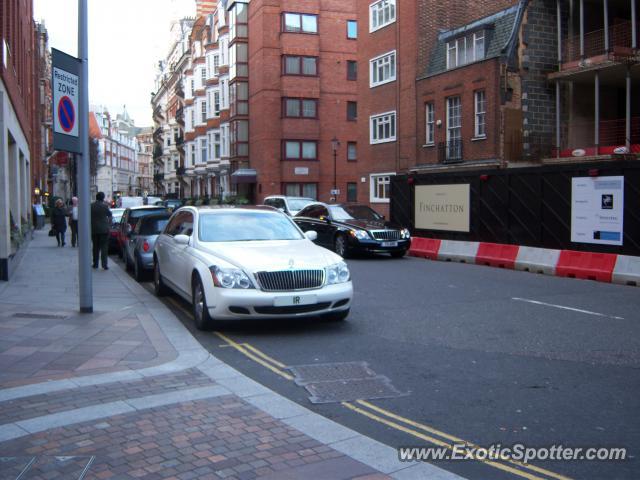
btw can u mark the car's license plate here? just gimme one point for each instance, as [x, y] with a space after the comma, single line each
[389, 244]
[292, 300]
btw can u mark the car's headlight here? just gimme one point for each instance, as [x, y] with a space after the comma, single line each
[230, 278]
[405, 233]
[359, 234]
[338, 273]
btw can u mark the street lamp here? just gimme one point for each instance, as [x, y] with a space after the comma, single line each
[335, 143]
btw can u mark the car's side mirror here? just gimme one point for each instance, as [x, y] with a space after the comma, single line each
[181, 239]
[311, 235]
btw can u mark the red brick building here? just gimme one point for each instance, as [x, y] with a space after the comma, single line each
[19, 132]
[302, 75]
[452, 84]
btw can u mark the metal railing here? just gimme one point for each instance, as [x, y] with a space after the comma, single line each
[450, 151]
[594, 44]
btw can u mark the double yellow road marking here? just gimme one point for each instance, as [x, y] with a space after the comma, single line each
[390, 419]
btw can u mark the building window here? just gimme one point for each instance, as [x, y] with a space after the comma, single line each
[352, 192]
[299, 23]
[300, 107]
[300, 150]
[352, 70]
[352, 29]
[383, 69]
[309, 190]
[203, 75]
[480, 102]
[430, 122]
[203, 111]
[216, 103]
[379, 188]
[295, 65]
[467, 49]
[352, 151]
[216, 65]
[454, 129]
[216, 145]
[203, 150]
[193, 154]
[352, 111]
[381, 14]
[382, 128]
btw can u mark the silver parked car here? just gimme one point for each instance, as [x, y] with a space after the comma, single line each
[138, 251]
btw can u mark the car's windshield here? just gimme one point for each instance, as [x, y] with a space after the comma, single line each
[297, 204]
[362, 212]
[238, 226]
[339, 213]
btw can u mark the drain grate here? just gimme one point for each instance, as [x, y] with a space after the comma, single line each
[326, 372]
[40, 315]
[348, 390]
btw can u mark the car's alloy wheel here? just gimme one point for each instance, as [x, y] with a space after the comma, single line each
[341, 246]
[200, 310]
[158, 285]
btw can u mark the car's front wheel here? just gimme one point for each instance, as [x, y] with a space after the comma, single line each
[159, 287]
[340, 246]
[200, 309]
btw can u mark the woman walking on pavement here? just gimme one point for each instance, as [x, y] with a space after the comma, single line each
[73, 221]
[59, 221]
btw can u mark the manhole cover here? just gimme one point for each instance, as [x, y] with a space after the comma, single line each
[347, 390]
[325, 372]
[39, 315]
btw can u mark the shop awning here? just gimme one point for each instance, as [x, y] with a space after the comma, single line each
[243, 175]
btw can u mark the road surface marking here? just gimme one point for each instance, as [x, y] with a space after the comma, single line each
[455, 439]
[435, 441]
[264, 355]
[579, 310]
[254, 357]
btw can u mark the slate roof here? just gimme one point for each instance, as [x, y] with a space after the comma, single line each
[498, 34]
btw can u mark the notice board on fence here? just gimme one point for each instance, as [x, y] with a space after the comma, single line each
[597, 210]
[443, 207]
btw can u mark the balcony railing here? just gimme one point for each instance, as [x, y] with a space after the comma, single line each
[594, 45]
[450, 151]
[179, 91]
[180, 115]
[157, 152]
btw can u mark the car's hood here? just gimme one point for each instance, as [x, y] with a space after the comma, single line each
[370, 224]
[271, 255]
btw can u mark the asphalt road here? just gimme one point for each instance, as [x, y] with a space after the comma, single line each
[485, 355]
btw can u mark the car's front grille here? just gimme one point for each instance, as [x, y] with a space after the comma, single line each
[287, 280]
[316, 307]
[386, 234]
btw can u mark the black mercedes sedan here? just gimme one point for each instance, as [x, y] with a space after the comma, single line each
[353, 228]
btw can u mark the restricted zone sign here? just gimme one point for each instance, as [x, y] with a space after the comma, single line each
[65, 84]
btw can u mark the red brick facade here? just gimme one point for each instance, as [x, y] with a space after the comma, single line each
[268, 86]
[17, 68]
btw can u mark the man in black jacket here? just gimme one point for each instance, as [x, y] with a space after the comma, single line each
[100, 224]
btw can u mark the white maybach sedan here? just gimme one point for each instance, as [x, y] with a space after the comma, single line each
[248, 262]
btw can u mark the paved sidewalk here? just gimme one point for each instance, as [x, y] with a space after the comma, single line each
[127, 392]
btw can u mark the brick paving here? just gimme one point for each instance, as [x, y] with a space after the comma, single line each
[218, 438]
[55, 402]
[62, 343]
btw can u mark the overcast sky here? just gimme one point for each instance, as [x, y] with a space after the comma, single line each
[126, 40]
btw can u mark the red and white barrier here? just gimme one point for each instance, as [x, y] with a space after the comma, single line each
[603, 267]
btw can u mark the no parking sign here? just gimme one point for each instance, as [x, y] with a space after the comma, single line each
[65, 85]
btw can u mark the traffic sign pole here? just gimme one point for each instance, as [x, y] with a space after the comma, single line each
[84, 200]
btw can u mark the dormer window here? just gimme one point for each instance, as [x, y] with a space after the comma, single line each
[467, 49]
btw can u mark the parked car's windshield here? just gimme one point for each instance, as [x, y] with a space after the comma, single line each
[245, 226]
[298, 204]
[339, 213]
[361, 212]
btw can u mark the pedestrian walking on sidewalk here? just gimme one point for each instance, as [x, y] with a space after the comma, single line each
[59, 221]
[73, 221]
[100, 223]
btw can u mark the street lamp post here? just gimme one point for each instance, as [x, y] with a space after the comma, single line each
[335, 143]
